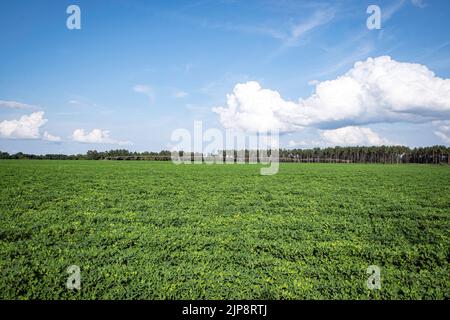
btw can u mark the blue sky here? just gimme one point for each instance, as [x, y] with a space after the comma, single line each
[138, 70]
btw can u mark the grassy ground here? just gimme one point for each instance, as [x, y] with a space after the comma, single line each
[155, 230]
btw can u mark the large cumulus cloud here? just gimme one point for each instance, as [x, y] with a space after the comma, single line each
[376, 90]
[26, 127]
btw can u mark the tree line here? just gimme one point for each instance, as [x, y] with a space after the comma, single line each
[375, 154]
[117, 154]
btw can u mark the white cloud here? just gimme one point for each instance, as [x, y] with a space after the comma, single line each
[443, 130]
[373, 91]
[146, 90]
[75, 102]
[445, 136]
[252, 108]
[353, 136]
[180, 94]
[15, 105]
[288, 37]
[345, 136]
[48, 137]
[27, 127]
[80, 101]
[389, 11]
[319, 18]
[298, 31]
[142, 88]
[96, 136]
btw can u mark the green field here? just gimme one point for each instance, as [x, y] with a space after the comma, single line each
[154, 230]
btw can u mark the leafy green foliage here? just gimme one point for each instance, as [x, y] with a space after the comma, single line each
[156, 230]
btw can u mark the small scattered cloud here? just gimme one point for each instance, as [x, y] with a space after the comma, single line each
[298, 31]
[146, 90]
[80, 101]
[74, 101]
[51, 138]
[15, 105]
[26, 127]
[149, 91]
[96, 136]
[180, 94]
[389, 11]
[287, 34]
[319, 18]
[142, 88]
